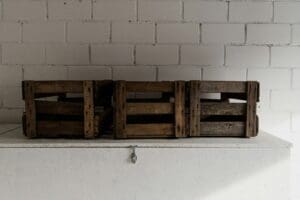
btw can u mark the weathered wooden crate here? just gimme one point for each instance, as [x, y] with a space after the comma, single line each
[75, 109]
[160, 117]
[232, 111]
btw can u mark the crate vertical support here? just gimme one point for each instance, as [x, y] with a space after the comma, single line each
[252, 96]
[195, 109]
[88, 96]
[180, 109]
[30, 120]
[120, 95]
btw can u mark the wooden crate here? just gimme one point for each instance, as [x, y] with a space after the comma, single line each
[73, 109]
[160, 117]
[232, 113]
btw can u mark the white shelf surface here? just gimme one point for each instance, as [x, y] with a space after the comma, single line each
[11, 136]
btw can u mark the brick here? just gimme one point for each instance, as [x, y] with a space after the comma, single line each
[112, 54]
[89, 73]
[70, 9]
[24, 10]
[159, 10]
[268, 33]
[181, 33]
[250, 11]
[296, 34]
[11, 115]
[271, 78]
[10, 75]
[223, 33]
[157, 54]
[285, 56]
[44, 32]
[172, 73]
[45, 73]
[12, 97]
[296, 78]
[10, 32]
[115, 10]
[23, 54]
[202, 55]
[134, 73]
[295, 121]
[88, 32]
[287, 12]
[205, 11]
[285, 100]
[133, 32]
[67, 54]
[224, 74]
[247, 56]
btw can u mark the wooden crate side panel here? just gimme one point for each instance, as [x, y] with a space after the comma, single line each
[180, 109]
[150, 108]
[59, 108]
[149, 130]
[252, 92]
[222, 129]
[30, 119]
[88, 96]
[54, 129]
[120, 109]
[223, 108]
[195, 109]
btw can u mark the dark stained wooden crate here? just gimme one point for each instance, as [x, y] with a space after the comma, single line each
[71, 109]
[233, 114]
[160, 117]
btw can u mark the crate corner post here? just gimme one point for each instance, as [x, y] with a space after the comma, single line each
[30, 115]
[89, 122]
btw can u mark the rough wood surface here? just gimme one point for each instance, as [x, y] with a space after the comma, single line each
[59, 108]
[180, 109]
[223, 86]
[44, 87]
[31, 129]
[195, 109]
[164, 86]
[150, 108]
[150, 130]
[252, 92]
[54, 129]
[223, 108]
[222, 129]
[120, 109]
[88, 95]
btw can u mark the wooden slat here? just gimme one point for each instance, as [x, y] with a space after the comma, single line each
[88, 95]
[163, 86]
[222, 129]
[120, 109]
[48, 87]
[149, 108]
[53, 129]
[180, 109]
[223, 86]
[195, 109]
[223, 108]
[30, 108]
[149, 130]
[252, 93]
[59, 108]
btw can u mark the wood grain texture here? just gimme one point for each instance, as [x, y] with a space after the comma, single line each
[150, 130]
[48, 87]
[223, 86]
[150, 108]
[223, 108]
[164, 86]
[180, 109]
[54, 129]
[29, 90]
[222, 129]
[252, 92]
[59, 108]
[88, 96]
[120, 109]
[195, 109]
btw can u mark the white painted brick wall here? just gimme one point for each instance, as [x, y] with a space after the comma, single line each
[249, 56]
[88, 32]
[180, 33]
[223, 33]
[123, 10]
[247, 11]
[156, 40]
[133, 32]
[268, 33]
[202, 55]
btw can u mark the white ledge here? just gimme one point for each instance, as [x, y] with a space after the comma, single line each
[11, 137]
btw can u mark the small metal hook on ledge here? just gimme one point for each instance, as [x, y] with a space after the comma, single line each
[133, 156]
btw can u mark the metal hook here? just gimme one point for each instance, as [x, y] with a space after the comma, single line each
[133, 156]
